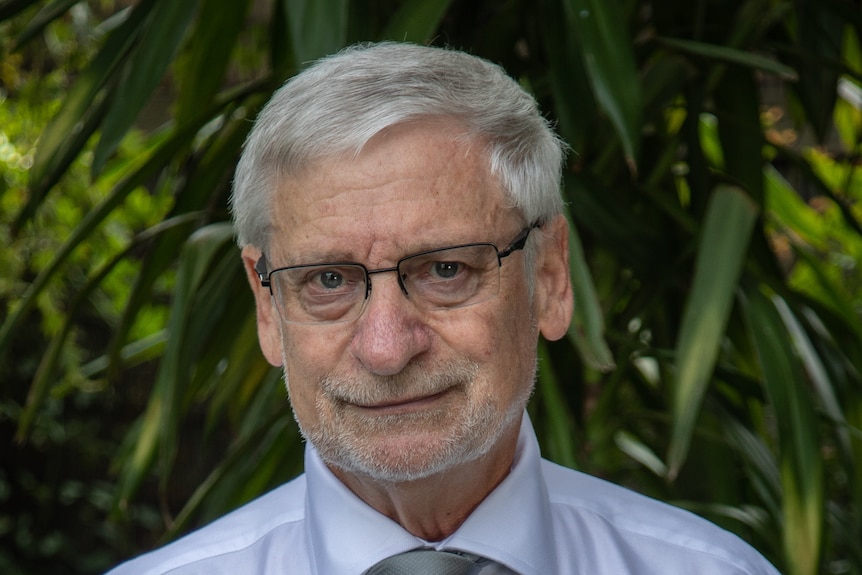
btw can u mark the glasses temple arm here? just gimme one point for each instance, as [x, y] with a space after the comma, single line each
[262, 273]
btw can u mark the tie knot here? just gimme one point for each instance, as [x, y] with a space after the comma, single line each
[429, 562]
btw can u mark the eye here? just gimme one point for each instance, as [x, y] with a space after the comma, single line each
[445, 270]
[330, 279]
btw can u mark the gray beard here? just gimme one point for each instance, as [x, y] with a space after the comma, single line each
[342, 438]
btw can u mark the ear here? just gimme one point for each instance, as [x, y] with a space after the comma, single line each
[553, 291]
[268, 333]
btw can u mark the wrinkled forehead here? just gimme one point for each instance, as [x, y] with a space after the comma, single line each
[427, 181]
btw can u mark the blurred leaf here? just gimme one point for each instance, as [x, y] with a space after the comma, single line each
[786, 208]
[9, 8]
[242, 450]
[158, 431]
[416, 20]
[45, 16]
[815, 370]
[217, 156]
[610, 64]
[819, 32]
[45, 375]
[570, 86]
[81, 113]
[729, 223]
[588, 325]
[317, 28]
[731, 56]
[738, 110]
[640, 452]
[800, 457]
[558, 421]
[160, 38]
[217, 29]
[163, 153]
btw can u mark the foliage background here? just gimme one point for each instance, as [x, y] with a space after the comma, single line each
[714, 190]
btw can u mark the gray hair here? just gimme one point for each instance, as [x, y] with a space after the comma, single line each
[339, 103]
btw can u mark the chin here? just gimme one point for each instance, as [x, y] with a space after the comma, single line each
[404, 453]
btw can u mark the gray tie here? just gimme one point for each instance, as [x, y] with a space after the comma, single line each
[428, 562]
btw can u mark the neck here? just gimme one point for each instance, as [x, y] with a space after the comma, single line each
[432, 508]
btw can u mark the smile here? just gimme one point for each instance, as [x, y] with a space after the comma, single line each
[399, 405]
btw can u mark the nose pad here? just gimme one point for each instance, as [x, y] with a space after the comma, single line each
[384, 270]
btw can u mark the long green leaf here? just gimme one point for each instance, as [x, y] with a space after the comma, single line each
[317, 28]
[610, 63]
[416, 21]
[820, 32]
[197, 305]
[217, 28]
[738, 110]
[575, 104]
[729, 223]
[588, 323]
[211, 174]
[800, 457]
[826, 392]
[731, 56]
[158, 430]
[160, 39]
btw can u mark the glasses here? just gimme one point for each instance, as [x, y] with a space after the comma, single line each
[445, 278]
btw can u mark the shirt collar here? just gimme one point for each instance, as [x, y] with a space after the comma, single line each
[511, 526]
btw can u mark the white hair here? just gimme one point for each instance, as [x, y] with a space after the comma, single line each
[338, 104]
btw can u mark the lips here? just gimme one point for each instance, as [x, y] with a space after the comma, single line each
[401, 404]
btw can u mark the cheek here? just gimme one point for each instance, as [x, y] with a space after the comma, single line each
[501, 339]
[308, 356]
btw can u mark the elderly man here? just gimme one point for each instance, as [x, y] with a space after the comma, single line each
[399, 215]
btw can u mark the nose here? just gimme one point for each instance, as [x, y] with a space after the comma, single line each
[390, 332]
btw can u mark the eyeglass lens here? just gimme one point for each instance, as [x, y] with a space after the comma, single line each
[441, 279]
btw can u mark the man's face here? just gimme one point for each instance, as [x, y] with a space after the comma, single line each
[400, 393]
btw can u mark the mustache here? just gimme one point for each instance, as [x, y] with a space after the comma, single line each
[415, 381]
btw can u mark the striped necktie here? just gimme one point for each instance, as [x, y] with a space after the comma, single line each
[429, 562]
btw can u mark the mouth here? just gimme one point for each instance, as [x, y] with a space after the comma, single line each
[402, 405]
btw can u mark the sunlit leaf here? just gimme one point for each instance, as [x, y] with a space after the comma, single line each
[729, 223]
[83, 110]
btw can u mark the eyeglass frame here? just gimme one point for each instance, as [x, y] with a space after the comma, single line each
[519, 243]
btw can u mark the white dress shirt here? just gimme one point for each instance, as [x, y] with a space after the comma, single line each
[542, 519]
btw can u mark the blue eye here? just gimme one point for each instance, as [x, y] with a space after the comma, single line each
[331, 279]
[445, 270]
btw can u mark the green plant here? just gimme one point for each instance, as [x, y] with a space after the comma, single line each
[713, 191]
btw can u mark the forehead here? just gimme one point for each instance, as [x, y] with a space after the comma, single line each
[412, 187]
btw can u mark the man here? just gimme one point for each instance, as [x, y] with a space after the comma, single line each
[399, 215]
